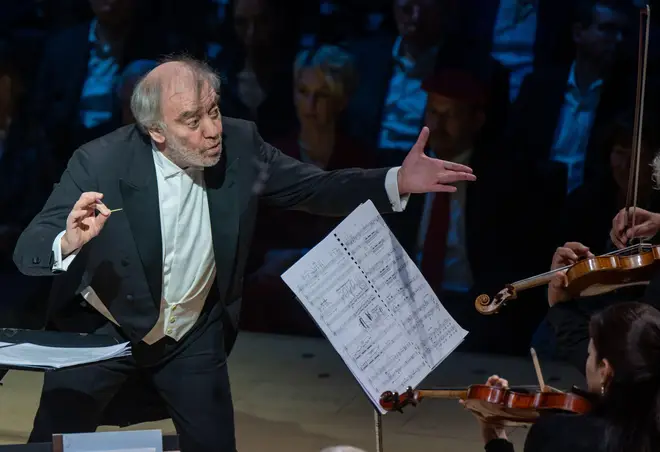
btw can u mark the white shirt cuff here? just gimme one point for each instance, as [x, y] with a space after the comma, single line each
[60, 265]
[397, 201]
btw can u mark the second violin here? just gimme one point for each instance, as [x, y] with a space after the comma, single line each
[496, 405]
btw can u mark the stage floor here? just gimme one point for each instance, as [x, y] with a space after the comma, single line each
[296, 395]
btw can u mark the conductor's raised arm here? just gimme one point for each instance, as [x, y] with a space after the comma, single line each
[291, 184]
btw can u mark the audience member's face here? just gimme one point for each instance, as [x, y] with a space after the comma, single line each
[315, 102]
[419, 22]
[620, 166]
[193, 126]
[600, 40]
[453, 125]
[254, 23]
[113, 12]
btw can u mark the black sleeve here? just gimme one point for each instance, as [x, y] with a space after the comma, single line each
[33, 252]
[291, 184]
[571, 327]
[499, 445]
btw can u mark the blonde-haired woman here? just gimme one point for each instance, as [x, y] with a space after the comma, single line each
[324, 79]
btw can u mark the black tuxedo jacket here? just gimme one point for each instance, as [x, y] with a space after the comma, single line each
[123, 263]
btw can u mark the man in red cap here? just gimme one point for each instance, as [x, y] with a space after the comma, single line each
[469, 240]
[455, 116]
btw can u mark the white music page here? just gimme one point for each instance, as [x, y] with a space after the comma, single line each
[373, 304]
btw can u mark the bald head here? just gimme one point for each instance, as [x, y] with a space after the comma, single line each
[172, 78]
[176, 103]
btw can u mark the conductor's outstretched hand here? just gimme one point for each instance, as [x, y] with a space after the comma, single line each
[83, 224]
[420, 173]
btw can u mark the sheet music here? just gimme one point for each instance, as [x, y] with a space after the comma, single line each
[45, 357]
[370, 300]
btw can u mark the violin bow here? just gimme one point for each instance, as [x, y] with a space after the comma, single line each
[635, 156]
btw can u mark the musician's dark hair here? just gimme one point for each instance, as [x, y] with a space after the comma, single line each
[627, 335]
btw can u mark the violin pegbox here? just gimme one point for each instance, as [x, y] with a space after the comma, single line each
[486, 306]
[393, 401]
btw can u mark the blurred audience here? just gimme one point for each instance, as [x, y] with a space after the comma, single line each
[131, 74]
[257, 66]
[589, 222]
[324, 80]
[533, 94]
[559, 107]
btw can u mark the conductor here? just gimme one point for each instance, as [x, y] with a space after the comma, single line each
[151, 225]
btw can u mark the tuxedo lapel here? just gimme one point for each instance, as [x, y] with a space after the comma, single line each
[139, 191]
[222, 193]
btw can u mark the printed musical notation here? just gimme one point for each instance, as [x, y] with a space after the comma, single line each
[370, 300]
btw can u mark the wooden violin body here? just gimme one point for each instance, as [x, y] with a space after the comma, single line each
[501, 406]
[587, 277]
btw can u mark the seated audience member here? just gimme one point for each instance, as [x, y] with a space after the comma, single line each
[73, 101]
[623, 382]
[256, 67]
[388, 105]
[589, 222]
[127, 81]
[558, 108]
[525, 35]
[324, 80]
[458, 229]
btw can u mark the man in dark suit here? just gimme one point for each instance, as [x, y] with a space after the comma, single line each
[166, 271]
[559, 108]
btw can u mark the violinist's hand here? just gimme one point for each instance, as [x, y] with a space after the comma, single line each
[647, 224]
[490, 432]
[565, 255]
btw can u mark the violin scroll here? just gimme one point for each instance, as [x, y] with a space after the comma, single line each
[393, 401]
[486, 306]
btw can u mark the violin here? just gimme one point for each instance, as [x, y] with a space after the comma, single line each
[496, 405]
[630, 266]
[587, 277]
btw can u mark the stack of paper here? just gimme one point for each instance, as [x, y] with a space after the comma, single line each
[373, 304]
[42, 357]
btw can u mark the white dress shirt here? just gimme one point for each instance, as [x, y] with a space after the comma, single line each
[514, 36]
[574, 128]
[405, 102]
[188, 259]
